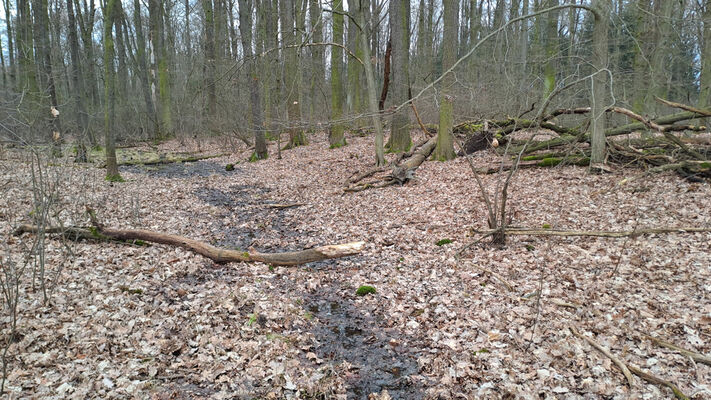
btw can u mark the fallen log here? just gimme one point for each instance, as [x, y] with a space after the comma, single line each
[216, 254]
[167, 160]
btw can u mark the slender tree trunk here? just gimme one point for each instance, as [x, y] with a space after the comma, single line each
[273, 84]
[27, 82]
[10, 47]
[400, 139]
[355, 69]
[44, 58]
[210, 65]
[77, 85]
[86, 24]
[599, 91]
[122, 71]
[371, 93]
[643, 33]
[245, 28]
[317, 60]
[705, 79]
[142, 70]
[188, 44]
[661, 61]
[292, 75]
[112, 173]
[445, 144]
[551, 48]
[160, 54]
[335, 134]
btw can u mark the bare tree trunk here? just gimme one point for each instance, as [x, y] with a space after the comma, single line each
[400, 139]
[160, 55]
[142, 69]
[292, 75]
[112, 173]
[599, 91]
[705, 79]
[41, 30]
[335, 134]
[317, 59]
[445, 145]
[10, 48]
[210, 66]
[371, 92]
[77, 85]
[245, 28]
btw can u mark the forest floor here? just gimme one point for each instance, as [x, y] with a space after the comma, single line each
[158, 322]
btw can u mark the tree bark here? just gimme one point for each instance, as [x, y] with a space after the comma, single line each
[335, 133]
[599, 91]
[292, 75]
[142, 68]
[162, 78]
[245, 28]
[112, 173]
[210, 64]
[370, 80]
[80, 113]
[445, 145]
[705, 79]
[400, 139]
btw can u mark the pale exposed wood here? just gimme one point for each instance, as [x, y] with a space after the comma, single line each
[621, 365]
[216, 254]
[610, 234]
[563, 303]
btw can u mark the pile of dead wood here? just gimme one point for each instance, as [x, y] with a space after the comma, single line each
[660, 147]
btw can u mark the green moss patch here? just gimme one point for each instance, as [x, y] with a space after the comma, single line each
[364, 290]
[442, 242]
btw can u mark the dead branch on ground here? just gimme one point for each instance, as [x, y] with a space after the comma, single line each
[626, 368]
[609, 234]
[216, 254]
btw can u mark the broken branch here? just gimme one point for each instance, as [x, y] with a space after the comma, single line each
[216, 254]
[621, 365]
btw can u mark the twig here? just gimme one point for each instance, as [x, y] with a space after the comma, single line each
[283, 206]
[610, 234]
[563, 303]
[658, 381]
[495, 275]
[698, 357]
[683, 107]
[621, 365]
[419, 121]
